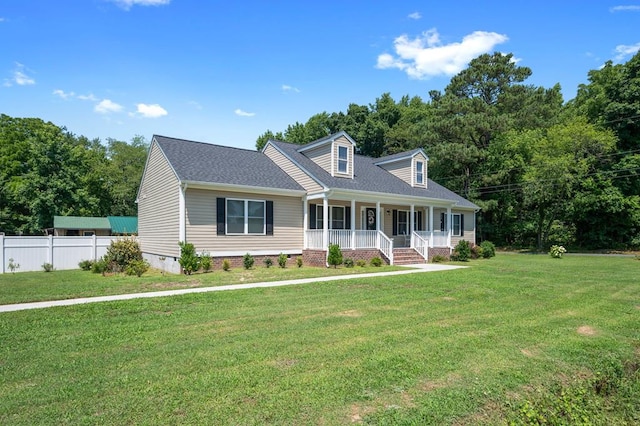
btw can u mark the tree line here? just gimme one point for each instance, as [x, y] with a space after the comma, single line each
[46, 170]
[544, 171]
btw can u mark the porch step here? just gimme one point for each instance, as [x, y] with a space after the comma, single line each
[406, 256]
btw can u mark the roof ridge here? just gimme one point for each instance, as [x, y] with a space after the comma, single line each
[207, 143]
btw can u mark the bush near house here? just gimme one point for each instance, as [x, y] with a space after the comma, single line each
[462, 251]
[335, 255]
[189, 260]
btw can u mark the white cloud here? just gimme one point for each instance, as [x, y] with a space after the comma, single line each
[415, 15]
[128, 4]
[242, 113]
[63, 94]
[107, 106]
[626, 50]
[151, 111]
[195, 104]
[19, 77]
[287, 88]
[88, 97]
[631, 8]
[425, 56]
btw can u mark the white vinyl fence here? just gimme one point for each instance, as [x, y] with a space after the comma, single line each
[62, 252]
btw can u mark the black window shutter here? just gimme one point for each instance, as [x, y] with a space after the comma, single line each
[395, 222]
[347, 217]
[221, 205]
[462, 224]
[269, 218]
[419, 221]
[312, 216]
[443, 225]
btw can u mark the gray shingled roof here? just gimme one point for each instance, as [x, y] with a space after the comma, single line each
[371, 178]
[400, 155]
[208, 163]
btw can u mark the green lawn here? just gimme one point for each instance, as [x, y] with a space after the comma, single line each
[38, 286]
[501, 341]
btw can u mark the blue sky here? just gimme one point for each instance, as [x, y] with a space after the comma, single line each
[225, 72]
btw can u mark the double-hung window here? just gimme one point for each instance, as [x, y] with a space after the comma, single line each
[245, 216]
[337, 217]
[343, 159]
[456, 225]
[419, 173]
[403, 226]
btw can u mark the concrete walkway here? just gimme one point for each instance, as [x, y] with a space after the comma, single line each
[411, 269]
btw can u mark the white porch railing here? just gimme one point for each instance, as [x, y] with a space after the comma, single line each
[345, 238]
[440, 239]
[420, 244]
[386, 246]
[366, 239]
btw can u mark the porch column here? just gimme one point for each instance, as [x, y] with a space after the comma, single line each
[353, 224]
[379, 218]
[412, 225]
[305, 221]
[325, 222]
[182, 214]
[431, 225]
[449, 224]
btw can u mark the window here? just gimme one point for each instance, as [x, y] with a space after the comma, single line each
[88, 233]
[419, 172]
[337, 217]
[456, 225]
[402, 222]
[417, 220]
[343, 159]
[245, 217]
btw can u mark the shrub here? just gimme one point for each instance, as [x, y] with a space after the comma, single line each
[438, 258]
[488, 249]
[205, 262]
[267, 262]
[189, 260]
[47, 267]
[348, 262]
[462, 251]
[99, 266]
[13, 265]
[299, 261]
[376, 261]
[361, 263]
[226, 265]
[335, 255]
[86, 265]
[282, 260]
[248, 261]
[121, 253]
[557, 251]
[476, 252]
[137, 267]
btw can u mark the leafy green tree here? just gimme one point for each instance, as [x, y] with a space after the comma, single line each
[124, 173]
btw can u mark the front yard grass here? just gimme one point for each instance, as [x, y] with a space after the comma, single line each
[495, 343]
[24, 287]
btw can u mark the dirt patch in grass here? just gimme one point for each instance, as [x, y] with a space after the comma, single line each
[586, 330]
[175, 285]
[489, 414]
[351, 313]
[284, 364]
[431, 385]
[530, 352]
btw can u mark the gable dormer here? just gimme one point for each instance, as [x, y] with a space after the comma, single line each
[410, 166]
[333, 153]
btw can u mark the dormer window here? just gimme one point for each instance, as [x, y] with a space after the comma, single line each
[343, 159]
[419, 173]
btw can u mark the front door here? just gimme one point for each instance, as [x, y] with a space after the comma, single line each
[370, 217]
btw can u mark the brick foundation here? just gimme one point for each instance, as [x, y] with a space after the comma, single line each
[319, 257]
[442, 251]
[237, 261]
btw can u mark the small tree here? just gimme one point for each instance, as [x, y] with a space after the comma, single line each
[335, 255]
[282, 260]
[189, 260]
[248, 261]
[462, 251]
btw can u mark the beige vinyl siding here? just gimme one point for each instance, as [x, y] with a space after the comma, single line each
[202, 230]
[469, 228]
[400, 169]
[321, 156]
[158, 207]
[420, 157]
[342, 141]
[310, 185]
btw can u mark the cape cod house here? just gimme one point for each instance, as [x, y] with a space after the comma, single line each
[296, 200]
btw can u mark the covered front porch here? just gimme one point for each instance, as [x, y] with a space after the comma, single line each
[376, 225]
